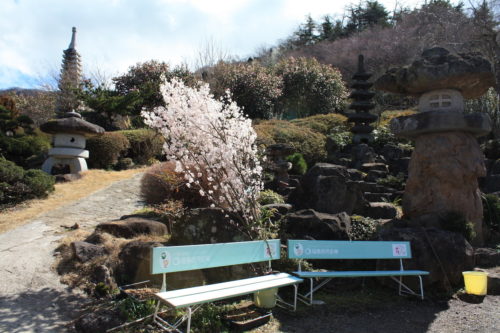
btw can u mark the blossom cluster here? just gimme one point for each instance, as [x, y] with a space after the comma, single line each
[213, 144]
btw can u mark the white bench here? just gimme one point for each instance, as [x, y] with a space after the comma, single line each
[184, 258]
[312, 249]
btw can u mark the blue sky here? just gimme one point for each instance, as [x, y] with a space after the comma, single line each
[115, 34]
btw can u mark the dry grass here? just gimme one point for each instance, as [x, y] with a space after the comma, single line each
[92, 180]
[79, 275]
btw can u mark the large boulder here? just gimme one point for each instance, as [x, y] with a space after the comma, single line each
[310, 224]
[132, 227]
[439, 68]
[486, 257]
[205, 226]
[135, 263]
[327, 188]
[135, 266]
[444, 254]
[84, 251]
[208, 226]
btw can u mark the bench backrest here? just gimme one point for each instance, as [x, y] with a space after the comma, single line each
[312, 249]
[190, 257]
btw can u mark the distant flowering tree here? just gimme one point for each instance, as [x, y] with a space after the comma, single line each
[213, 144]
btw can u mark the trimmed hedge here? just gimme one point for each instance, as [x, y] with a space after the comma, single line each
[105, 150]
[309, 143]
[17, 185]
[27, 151]
[324, 123]
[145, 145]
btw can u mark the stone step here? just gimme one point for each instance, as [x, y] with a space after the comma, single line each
[378, 197]
[373, 187]
[373, 175]
[381, 210]
[366, 167]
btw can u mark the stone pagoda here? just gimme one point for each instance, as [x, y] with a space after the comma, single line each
[70, 78]
[361, 105]
[447, 160]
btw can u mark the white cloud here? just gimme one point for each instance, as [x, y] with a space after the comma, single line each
[113, 35]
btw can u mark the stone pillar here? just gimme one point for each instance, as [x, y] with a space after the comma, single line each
[445, 165]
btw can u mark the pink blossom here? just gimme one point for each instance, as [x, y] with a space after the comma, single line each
[213, 140]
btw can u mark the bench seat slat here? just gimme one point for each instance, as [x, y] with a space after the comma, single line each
[222, 285]
[358, 273]
[214, 292]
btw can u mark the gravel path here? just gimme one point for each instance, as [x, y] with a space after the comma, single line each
[408, 316]
[31, 297]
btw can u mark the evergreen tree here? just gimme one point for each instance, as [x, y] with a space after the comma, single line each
[327, 28]
[306, 34]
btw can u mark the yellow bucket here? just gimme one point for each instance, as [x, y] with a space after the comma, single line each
[265, 298]
[476, 283]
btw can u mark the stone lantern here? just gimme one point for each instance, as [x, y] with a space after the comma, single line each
[69, 135]
[447, 160]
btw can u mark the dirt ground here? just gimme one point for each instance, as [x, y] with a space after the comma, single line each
[390, 314]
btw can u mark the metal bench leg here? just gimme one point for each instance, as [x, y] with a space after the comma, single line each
[156, 312]
[421, 287]
[296, 287]
[312, 290]
[190, 312]
[400, 282]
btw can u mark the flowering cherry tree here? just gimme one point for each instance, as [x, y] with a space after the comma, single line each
[213, 145]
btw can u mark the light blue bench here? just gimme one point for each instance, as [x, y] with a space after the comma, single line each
[312, 249]
[191, 257]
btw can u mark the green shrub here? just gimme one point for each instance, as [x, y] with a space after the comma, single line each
[161, 183]
[362, 228]
[124, 163]
[132, 309]
[307, 142]
[253, 87]
[268, 197]
[310, 87]
[338, 140]
[456, 222]
[395, 182]
[209, 318]
[491, 149]
[105, 150]
[145, 145]
[25, 150]
[324, 123]
[17, 185]
[39, 182]
[10, 172]
[299, 165]
[491, 211]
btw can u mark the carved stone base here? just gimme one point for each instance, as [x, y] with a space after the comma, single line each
[76, 165]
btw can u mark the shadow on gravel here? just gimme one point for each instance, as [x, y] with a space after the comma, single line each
[28, 311]
[378, 311]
